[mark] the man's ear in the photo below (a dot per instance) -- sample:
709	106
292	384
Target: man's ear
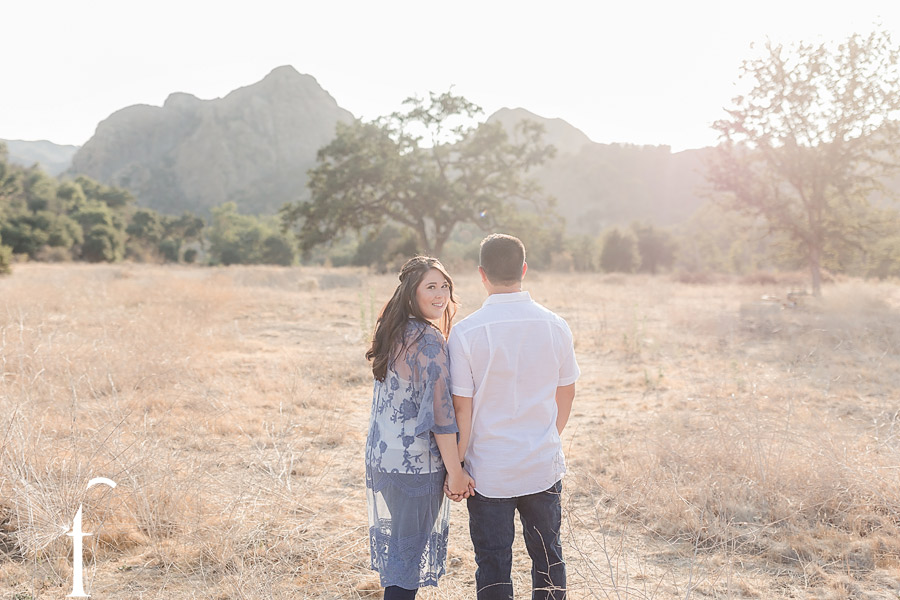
524	268
484	277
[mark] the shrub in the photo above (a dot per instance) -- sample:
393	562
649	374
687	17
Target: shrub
190	255
5	260
619	253
169	249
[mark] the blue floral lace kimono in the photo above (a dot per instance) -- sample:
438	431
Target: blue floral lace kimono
408	513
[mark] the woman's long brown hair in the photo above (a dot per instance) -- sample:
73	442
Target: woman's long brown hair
388	337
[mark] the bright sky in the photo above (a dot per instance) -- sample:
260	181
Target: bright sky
639	71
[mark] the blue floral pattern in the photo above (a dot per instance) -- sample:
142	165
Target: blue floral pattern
408	514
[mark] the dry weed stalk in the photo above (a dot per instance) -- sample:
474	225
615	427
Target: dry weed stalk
230	405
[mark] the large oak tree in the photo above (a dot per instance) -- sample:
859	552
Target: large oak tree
429	169
812	140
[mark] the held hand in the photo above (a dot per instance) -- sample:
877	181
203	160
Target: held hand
458	485
461	484
454	497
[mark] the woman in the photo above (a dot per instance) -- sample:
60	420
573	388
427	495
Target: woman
411	446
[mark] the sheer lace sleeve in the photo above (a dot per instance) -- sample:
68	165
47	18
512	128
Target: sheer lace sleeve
429	368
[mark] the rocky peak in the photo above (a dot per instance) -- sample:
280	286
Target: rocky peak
252	146
182	101
567	138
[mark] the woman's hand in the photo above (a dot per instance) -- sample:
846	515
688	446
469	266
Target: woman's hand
458	484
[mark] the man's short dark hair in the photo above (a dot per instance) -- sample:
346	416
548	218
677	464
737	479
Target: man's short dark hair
502	258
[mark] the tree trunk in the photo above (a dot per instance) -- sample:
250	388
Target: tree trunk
815	270
440	238
422	240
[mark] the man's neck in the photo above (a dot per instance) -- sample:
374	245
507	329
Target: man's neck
503	289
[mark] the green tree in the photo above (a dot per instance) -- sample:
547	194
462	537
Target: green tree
11	185
619	252
584	251
813	138
277	250
877	256
190	255
187	228
655	247
384	246
145	232
231	236
177	231
244	239
145	226
64	232
883	259
428	169
102	243
104	240
25	233
5	254
717	239
40	190
70	197
169	249
114	198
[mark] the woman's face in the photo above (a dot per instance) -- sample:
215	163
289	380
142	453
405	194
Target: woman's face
433	295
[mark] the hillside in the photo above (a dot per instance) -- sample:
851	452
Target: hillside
597	185
255	145
252	147
53	158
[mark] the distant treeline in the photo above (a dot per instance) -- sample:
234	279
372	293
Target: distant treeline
43	218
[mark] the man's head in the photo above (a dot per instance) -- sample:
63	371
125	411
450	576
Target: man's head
502	258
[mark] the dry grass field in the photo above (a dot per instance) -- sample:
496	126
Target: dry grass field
721	446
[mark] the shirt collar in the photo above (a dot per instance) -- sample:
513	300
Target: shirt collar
505	298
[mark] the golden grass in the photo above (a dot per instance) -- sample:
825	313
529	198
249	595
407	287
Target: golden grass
720	445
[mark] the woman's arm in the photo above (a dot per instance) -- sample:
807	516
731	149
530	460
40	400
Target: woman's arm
436	413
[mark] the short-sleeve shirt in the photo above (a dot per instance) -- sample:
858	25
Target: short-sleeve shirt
509	356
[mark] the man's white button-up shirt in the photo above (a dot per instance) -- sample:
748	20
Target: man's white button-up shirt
509	356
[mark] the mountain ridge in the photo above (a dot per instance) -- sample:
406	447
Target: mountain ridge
252	146
53	158
598	185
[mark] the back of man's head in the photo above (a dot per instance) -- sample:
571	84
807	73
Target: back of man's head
502	258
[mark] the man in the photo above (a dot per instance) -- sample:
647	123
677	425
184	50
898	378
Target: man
512	374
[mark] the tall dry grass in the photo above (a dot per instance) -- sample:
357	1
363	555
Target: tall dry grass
770	442
720	445
163	380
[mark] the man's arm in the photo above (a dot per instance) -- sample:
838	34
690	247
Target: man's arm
565	394
458	484
463	407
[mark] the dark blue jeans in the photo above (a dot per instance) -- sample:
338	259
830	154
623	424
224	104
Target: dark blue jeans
492	527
